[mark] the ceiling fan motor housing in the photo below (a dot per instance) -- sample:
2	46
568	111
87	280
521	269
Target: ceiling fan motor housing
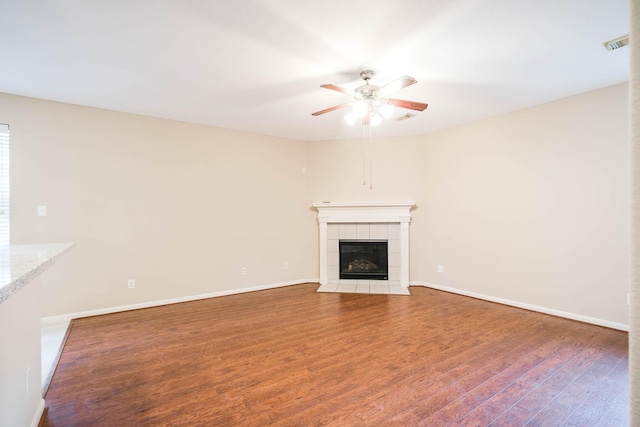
367	91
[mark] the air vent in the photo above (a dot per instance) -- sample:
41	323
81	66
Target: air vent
616	43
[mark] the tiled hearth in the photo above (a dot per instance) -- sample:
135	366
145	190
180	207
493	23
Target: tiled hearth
354	288
363	221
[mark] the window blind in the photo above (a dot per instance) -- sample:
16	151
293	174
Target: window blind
4	184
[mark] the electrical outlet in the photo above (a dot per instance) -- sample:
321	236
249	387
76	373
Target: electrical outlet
440	268
244	271
131	283
42	210
27	377
286	265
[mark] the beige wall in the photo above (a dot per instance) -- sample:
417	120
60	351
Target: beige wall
530	207
179	207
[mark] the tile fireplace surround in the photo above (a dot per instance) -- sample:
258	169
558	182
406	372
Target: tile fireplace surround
364	220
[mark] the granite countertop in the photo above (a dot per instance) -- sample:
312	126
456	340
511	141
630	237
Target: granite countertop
20	264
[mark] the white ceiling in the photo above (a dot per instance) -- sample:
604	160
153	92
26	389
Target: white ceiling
256	65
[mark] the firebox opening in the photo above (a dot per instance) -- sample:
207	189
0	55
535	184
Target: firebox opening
364	259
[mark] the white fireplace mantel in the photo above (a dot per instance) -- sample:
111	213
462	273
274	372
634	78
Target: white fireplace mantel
365	212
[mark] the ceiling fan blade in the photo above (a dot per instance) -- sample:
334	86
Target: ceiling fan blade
411	105
337	89
398	84
330	109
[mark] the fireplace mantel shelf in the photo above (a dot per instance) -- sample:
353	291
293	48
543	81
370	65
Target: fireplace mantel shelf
362	213
362	204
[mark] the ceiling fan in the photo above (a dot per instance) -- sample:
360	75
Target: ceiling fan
371	101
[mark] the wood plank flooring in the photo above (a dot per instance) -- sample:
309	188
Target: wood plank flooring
294	357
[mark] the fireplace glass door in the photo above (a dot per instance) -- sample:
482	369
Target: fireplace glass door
364	259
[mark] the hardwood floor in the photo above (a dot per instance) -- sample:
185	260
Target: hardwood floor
294	357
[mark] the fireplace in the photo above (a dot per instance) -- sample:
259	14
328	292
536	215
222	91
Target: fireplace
386	222
364	259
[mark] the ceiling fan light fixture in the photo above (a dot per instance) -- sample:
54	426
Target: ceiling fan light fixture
361	108
375	120
351	118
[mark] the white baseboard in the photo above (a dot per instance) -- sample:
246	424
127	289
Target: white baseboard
565	314
53	320
38	415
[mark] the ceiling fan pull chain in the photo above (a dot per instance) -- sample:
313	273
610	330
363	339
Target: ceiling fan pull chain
364	156
370	161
